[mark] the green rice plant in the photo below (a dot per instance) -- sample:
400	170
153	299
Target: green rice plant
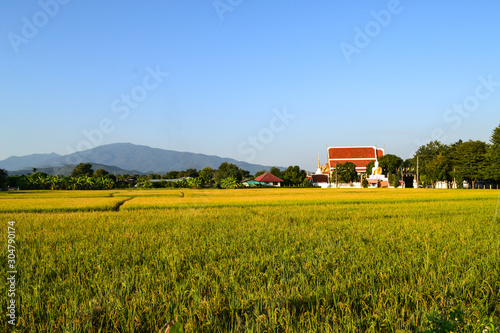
60	205
259	260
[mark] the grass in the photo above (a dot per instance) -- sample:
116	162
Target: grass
259	260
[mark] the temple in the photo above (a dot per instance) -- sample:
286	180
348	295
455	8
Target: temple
360	156
322	174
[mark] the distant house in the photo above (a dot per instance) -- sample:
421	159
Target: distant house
251	182
269	179
126	182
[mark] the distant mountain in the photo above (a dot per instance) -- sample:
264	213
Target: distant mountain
28	161
67	169
127	156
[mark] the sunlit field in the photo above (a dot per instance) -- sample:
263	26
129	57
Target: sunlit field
252	260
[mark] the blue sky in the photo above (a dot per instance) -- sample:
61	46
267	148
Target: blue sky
264	82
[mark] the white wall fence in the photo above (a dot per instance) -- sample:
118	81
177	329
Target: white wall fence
437	185
481	185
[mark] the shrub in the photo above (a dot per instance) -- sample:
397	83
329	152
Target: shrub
306	183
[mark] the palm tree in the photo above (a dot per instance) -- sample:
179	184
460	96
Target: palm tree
54	182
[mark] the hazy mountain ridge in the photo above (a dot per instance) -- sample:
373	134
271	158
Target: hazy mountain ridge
125	156
28	161
67	169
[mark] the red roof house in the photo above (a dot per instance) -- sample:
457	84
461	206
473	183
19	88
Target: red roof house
360	156
269	179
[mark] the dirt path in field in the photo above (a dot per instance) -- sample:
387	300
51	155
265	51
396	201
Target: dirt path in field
117	206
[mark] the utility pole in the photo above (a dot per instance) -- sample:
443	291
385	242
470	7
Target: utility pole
417	173
336	178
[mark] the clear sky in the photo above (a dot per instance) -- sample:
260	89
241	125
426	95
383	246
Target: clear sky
269	82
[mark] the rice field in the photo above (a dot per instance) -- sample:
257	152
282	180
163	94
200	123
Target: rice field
253	260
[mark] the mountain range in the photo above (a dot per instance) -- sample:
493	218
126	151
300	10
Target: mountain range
122	158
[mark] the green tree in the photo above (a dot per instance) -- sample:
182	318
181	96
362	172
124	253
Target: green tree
171	175
207	175
369	168
394	179
390	163
3	178
144	183
39	181
193	173
195	182
469	160
111	176
276	171
439	168
12	181
258	173
230	183
55	183
427	160
294	176
229	169
100	173
346	172
410	164
306	183
493	156
82	169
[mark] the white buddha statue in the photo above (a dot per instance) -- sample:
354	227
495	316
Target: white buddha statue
377	170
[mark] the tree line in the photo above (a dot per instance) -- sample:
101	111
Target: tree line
83	177
470	161
228	175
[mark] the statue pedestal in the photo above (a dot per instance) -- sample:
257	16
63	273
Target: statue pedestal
376	181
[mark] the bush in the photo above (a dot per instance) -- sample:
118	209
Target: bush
229	182
144	183
306	183
394	180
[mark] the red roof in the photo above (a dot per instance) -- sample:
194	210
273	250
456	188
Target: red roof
360	156
358	163
268	178
354	152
